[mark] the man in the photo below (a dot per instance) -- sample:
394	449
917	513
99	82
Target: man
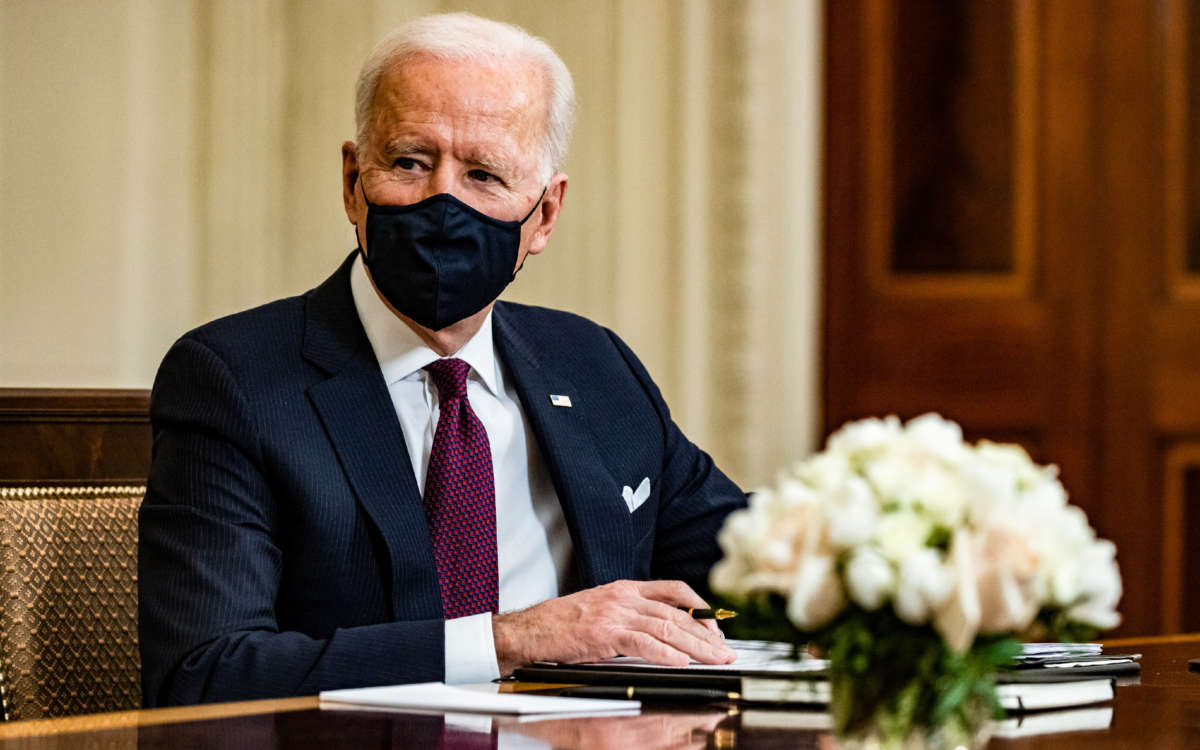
394	477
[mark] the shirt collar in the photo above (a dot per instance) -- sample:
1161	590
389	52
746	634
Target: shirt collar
400	351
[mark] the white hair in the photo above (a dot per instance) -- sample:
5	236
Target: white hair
463	36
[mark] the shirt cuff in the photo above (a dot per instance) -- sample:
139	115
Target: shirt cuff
471	650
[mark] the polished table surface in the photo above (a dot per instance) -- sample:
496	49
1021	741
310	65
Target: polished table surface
1161	711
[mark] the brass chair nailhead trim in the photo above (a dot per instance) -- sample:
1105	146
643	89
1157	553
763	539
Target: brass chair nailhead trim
71	493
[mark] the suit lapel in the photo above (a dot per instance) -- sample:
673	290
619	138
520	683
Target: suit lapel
601	531
359	417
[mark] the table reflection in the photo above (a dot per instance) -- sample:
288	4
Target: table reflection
685	729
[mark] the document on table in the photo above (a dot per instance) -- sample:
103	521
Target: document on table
752	656
438	696
1024	725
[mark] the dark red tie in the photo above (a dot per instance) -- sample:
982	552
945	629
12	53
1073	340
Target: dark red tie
460	498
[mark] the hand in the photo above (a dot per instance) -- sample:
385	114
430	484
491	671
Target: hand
645	732
623	618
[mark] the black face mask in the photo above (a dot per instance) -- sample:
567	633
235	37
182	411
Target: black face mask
439	261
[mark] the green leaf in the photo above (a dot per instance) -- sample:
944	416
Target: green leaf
951	696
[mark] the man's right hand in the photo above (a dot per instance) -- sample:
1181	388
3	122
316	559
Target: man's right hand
623	618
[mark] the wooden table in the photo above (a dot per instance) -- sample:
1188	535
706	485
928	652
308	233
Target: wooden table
1162	711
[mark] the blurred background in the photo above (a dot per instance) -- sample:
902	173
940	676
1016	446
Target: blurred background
797	212
165	162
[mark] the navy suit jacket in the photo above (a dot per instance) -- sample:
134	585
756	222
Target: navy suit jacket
283	543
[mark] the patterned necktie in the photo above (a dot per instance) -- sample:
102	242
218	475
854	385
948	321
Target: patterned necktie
460	498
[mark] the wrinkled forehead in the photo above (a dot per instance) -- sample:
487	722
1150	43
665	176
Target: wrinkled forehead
510	94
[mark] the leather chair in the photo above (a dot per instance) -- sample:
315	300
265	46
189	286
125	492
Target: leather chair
68	620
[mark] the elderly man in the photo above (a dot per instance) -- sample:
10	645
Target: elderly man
396	478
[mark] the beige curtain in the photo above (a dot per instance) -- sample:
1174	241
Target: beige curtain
164	163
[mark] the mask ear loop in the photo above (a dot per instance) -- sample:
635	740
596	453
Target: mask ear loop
363	189
536	203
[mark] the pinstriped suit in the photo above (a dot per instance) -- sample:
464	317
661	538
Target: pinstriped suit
283	544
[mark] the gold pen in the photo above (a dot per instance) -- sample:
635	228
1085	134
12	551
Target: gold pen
700	613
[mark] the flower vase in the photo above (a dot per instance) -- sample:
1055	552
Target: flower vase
895	686
912	560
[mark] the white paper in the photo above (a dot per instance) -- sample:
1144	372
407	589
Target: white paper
752	656
1035	696
1043	650
1050	722
1054	722
437	696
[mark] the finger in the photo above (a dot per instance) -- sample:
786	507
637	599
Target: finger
703	629
670	633
679	594
676	593
636	642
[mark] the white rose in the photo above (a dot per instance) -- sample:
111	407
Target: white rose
864	435
822	471
1007	603
901	533
742	539
1006	575
870	578
923	585
942	493
743	531
1099	587
793	492
937	436
727	577
891	474
990	489
816	595
730	573
852	513
1067	545
765	543
1010	459
957	619
1045	499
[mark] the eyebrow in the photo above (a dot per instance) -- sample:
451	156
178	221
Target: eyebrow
405	147
489	162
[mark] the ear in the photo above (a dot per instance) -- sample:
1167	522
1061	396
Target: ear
350	182
547	213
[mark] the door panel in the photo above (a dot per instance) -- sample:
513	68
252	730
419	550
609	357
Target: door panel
1013	240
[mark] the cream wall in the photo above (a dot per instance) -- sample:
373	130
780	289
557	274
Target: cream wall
168	161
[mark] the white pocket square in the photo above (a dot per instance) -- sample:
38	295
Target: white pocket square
634	498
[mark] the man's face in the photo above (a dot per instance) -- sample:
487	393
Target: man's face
470	130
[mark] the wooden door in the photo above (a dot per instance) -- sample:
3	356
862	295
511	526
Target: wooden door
1013	240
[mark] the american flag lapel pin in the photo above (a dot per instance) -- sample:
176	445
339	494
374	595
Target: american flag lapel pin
560	400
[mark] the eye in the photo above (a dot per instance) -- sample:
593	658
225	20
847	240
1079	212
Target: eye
482	176
406	163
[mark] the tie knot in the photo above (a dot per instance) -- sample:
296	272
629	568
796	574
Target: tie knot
450	377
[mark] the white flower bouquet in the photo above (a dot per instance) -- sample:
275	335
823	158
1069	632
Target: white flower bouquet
915	560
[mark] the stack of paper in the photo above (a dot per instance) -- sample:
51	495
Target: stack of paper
752	656
1078	658
1025	725
1049	676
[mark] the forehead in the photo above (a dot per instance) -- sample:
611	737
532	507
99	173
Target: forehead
461	99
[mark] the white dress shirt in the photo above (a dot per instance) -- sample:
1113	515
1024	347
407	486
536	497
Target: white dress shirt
533	544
